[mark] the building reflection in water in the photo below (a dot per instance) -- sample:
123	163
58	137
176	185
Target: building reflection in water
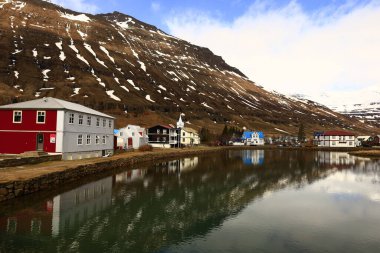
249	157
65	211
73	208
335	158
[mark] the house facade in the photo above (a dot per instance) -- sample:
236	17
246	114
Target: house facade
55	126
334	139
131	136
253	138
360	139
162	136
189	137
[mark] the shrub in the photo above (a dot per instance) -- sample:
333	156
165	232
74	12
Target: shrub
146	148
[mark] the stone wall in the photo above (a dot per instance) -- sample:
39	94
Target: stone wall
19	161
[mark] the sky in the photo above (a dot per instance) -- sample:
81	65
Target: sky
328	51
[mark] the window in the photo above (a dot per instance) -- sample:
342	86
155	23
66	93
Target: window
41	117
110	123
164	131
97	139
133	133
104	139
104	122
71	118
80	139
88	139
158	131
163	139
88	120
183	134
121	133
80	119
97	122
183	140
17	116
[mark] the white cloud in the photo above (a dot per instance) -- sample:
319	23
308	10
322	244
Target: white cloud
291	51
155	6
78	5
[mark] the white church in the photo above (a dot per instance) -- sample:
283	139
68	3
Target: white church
188	136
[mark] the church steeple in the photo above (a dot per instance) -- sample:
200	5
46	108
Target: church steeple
180	123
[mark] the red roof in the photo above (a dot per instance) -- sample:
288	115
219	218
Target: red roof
338	133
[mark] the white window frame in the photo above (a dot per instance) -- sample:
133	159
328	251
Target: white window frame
104	122
37	117
110	123
89	119
98	122
88	139
97	139
17	122
80	137
104	140
71	114
80	119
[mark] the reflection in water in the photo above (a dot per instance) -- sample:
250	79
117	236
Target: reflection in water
200	204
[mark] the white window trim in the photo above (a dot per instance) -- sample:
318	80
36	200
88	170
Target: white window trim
104	140
79	144
97	122
44	117
87	139
89	120
104	123
80	115
14	117
73	118
97	139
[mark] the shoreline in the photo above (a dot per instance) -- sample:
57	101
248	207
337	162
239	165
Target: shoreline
24	180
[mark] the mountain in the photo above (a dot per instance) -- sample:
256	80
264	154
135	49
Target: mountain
138	73
368	112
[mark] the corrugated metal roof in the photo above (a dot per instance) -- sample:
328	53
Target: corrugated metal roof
338	133
248	134
50	103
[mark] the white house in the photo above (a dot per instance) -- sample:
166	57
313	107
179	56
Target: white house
189	137
360	139
131	136
335	139
55	126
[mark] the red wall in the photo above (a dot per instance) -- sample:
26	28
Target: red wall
29	118
22	137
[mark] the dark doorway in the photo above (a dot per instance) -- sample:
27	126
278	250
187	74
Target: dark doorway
40	142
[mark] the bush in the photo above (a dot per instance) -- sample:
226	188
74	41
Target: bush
146	148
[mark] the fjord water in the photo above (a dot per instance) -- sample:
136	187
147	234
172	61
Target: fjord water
233	201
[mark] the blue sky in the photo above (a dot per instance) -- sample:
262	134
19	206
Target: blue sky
157	11
326	50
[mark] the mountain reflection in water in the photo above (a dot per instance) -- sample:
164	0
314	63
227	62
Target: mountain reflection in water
168	205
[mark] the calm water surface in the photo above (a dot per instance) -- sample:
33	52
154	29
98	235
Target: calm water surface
235	201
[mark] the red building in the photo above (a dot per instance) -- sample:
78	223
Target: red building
55	126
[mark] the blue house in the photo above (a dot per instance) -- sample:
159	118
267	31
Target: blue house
253	138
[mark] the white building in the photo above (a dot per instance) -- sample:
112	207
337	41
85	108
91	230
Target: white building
335	139
189	136
131	137
360	139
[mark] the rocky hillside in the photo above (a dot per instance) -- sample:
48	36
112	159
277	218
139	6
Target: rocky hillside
368	113
120	65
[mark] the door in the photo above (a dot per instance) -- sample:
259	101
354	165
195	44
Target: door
40	142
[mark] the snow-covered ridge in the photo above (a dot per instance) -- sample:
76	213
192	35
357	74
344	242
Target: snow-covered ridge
79	17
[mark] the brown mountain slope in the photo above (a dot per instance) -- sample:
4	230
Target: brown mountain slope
117	64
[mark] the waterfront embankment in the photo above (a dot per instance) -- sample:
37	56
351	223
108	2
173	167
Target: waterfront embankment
27	179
